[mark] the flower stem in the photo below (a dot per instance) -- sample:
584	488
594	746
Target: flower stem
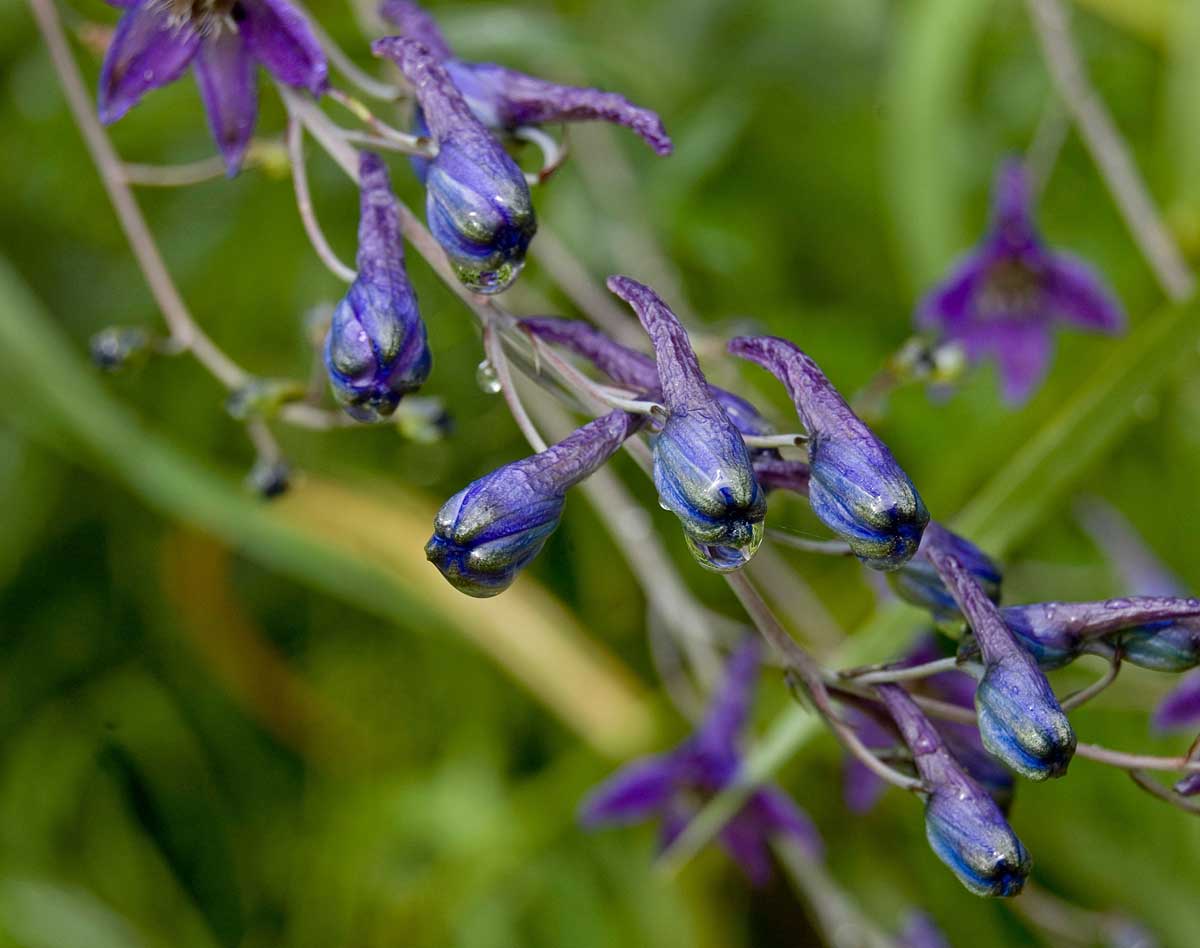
312	227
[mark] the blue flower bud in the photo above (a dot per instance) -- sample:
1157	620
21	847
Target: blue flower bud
1020	719
376	351
963	824
120	347
702	469
477	200
918	582
491	530
857	489
1164	646
1056	633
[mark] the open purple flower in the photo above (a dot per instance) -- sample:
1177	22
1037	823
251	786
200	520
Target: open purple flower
671	786
157	40
1003	298
504	99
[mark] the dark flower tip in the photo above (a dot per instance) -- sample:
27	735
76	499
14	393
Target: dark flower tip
491	530
477	200
856	487
376	350
702	469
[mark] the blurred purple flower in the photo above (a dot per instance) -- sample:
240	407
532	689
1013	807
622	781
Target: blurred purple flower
505	99
920	931
1003	298
157	40
671	786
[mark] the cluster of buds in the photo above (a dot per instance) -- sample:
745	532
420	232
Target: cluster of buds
714	460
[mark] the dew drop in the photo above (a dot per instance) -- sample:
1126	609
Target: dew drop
486	378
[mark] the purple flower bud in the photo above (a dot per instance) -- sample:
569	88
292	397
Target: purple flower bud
505	99
1165	646
1020	719
857	489
918	582
477	201
634	369
964	826
376	351
702	469
1055	633
491	530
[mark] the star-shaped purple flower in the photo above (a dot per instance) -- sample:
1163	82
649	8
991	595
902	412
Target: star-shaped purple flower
1005	296
157	40
672	786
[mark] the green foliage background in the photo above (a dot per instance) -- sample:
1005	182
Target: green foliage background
222	725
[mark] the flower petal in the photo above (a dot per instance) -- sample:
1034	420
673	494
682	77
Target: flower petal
1079	295
146	52
280	37
949	304
776	814
634	792
1181	708
1012	208
719	734
415	23
225	74
1021	348
747	844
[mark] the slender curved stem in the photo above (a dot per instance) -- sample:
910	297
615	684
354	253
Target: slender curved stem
825	547
413	144
304	204
493	346
873	675
1109	150
375	88
173	176
1156	789
1084	695
776	441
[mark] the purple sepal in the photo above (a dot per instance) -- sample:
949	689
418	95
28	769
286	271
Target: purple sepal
147	51
225	74
1180	709
488	532
416	24
702	469
964	826
856	487
506	99
281	39
477	201
672	786
1003	298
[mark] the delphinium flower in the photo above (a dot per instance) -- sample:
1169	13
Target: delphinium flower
964	826
856	487
492	529
505	99
477	201
222	40
673	786
918	582
862	787
1020	719
1004	298
636	370
702	470
376	351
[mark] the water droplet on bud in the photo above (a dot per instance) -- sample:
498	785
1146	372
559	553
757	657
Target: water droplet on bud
487	379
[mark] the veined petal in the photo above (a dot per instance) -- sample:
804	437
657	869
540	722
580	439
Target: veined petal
225	74
280	37
1079	295
146	52
415	23
633	793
